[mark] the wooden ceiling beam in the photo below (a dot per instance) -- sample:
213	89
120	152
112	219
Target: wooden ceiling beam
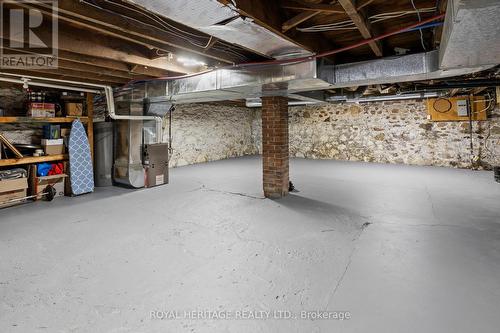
131	30
108	64
298	19
362	24
132	69
70	65
95	45
362	4
268	14
62	74
83	75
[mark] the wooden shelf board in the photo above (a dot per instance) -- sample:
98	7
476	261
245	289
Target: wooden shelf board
32	160
7	120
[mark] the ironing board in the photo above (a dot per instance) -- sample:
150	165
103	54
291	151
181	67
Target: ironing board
80	161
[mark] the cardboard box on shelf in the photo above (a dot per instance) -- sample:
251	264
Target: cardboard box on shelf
56	181
41	110
11	189
53	146
74	109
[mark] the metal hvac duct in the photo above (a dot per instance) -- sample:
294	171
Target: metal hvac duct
127	168
471	34
224	23
289	79
408	68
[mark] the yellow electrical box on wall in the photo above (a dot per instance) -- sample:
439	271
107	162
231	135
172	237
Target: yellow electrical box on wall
457	108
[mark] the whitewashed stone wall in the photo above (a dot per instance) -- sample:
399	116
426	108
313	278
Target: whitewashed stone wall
209	132
385	132
388	132
12	98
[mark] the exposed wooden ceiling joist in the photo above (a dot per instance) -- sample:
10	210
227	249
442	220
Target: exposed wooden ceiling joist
91	69
95	45
133	71
129	29
361	23
268	14
67	75
298	19
362	4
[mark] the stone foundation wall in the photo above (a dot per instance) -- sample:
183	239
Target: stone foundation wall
388	132
200	132
12	100
209	132
385	132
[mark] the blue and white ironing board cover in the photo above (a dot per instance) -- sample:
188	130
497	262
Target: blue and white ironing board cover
80	160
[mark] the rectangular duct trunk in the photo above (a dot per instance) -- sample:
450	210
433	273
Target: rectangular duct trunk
471	34
250	82
224	23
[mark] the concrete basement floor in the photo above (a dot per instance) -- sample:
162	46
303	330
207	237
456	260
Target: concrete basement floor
402	248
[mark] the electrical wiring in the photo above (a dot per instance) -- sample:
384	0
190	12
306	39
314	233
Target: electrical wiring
165	28
193	39
349	25
420	30
490	102
300	59
384	16
158	19
209	41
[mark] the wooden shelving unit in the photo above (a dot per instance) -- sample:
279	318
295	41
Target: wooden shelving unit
32	160
88	121
28	120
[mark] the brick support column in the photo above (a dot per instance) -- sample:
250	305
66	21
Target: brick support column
275	146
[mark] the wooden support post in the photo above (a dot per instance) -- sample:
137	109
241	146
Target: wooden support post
32	170
90	123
